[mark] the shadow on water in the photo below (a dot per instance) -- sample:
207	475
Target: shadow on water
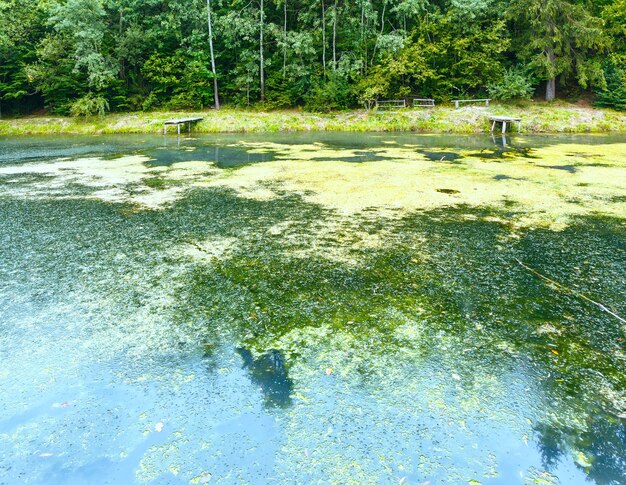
494	148
440	156
565	168
223	149
269	372
504	148
221	156
604	441
501	177
359	156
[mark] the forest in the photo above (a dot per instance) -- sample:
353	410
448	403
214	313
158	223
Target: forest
85	57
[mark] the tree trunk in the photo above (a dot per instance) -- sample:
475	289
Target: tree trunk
285	40
324	37
363	36
215	92
262	66
551	57
121	60
382	30
335	37
551	89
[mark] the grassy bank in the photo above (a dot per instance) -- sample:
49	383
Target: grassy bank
537	118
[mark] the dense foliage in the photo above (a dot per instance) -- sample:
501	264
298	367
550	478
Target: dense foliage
87	56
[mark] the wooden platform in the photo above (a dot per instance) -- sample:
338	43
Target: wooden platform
504	120
179	122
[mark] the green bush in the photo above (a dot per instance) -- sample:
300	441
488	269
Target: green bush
516	84
89	105
332	94
280	93
151	102
183	100
372	87
614	96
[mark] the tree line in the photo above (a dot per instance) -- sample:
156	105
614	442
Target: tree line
89	56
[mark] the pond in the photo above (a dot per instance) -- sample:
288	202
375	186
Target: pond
313	308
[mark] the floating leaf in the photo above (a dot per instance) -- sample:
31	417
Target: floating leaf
582	460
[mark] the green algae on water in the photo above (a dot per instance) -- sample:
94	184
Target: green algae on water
310	320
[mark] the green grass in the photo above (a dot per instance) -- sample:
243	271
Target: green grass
537	118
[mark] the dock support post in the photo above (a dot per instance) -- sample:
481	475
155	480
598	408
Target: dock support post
178	126
493	127
164	129
503	127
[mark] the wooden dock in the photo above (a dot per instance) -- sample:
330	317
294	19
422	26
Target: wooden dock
182	121
504	120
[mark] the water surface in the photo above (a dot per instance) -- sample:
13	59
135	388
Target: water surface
313	308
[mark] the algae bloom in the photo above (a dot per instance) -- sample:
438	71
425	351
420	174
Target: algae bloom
313	308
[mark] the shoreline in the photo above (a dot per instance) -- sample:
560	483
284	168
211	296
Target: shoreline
537	118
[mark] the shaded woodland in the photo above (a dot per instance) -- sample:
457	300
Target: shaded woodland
86	57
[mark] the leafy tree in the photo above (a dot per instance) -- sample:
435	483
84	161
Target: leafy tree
21	28
614	16
559	38
331	94
89	105
82	23
142	54
614	94
516	84
442	58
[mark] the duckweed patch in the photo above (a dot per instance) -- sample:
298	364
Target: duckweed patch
309	320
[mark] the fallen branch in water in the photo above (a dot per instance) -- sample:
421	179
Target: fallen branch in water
574	292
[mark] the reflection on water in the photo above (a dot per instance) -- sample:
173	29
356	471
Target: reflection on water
270	374
224	150
252	331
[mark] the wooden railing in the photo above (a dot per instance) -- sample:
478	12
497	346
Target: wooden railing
390	104
423	102
459	101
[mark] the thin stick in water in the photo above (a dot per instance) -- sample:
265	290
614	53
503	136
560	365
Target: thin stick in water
574	292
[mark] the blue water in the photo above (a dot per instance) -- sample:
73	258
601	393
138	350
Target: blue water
125	360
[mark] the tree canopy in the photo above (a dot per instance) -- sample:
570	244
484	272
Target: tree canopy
86	56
